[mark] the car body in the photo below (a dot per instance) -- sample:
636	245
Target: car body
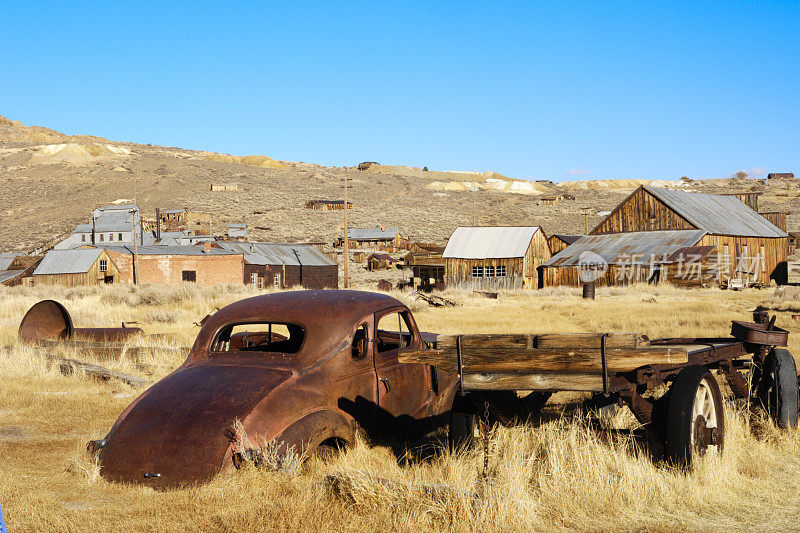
330	374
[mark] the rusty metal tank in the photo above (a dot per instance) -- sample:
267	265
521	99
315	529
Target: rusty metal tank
50	320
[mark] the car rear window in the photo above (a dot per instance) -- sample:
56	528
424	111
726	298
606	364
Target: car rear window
273	337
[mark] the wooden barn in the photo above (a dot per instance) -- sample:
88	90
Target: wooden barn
491	258
91	266
281	266
747	245
558	242
427	268
776	217
17	269
383	238
631	257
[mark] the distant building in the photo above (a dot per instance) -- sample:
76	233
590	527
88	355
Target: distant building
237	231
558	242
380	261
17	269
328	205
111	224
279	265
383	238
366	165
173	219
780	176
491	258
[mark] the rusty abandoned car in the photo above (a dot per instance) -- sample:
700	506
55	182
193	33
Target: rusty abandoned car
305	368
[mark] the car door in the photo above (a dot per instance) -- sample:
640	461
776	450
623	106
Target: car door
403	389
357	382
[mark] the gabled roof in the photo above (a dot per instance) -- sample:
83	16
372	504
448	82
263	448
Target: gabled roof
265	253
75	261
716	214
637	248
8	275
489	242
371	234
6	260
156	249
108	222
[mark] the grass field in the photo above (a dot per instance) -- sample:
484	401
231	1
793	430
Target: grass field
557	475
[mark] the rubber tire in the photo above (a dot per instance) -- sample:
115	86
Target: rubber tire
780	369
463	422
677	443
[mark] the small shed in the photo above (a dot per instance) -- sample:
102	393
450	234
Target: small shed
381	261
359	257
84	266
794	238
427	268
558	242
491	258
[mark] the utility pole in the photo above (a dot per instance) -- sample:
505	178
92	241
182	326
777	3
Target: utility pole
585	220
135	244
346	242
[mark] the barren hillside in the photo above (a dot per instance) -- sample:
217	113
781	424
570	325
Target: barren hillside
51	181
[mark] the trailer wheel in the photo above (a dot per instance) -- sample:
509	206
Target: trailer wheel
778	388
463	430
695	423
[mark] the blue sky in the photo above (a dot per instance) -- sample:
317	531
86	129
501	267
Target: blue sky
530	89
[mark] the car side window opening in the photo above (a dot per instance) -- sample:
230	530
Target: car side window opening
272	337
361	342
393	332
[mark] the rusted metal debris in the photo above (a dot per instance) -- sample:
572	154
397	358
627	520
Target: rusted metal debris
49	320
433	300
332	373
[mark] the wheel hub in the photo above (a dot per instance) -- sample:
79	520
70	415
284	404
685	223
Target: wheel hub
704	436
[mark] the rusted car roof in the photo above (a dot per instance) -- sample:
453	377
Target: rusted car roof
327	316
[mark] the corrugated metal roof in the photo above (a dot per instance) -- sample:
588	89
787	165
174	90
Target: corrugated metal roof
68	261
718	215
173	211
628	248
165	250
6	260
265	253
106	222
371	234
6	275
489	242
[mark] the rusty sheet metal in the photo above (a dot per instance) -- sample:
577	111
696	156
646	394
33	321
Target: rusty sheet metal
629	248
49	320
716	214
180	430
759	333
690	252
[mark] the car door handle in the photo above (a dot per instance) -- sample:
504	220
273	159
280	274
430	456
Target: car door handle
385	382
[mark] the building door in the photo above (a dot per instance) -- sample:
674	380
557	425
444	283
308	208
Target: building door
403	389
189	275
108	280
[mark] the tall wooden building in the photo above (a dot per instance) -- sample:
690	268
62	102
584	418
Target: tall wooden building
739	234
481	258
558	242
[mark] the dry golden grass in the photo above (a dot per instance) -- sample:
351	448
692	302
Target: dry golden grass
558	475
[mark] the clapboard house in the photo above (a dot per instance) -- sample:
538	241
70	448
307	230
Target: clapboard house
281	266
492	258
746	245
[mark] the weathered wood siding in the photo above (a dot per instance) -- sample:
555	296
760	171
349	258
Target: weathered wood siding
309	277
521	272
776	217
774	251
92	277
641	211
555	244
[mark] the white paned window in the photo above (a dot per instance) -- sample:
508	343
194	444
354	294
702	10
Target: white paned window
477	272
110	237
489	271
500	271
254	278
103	265
277	281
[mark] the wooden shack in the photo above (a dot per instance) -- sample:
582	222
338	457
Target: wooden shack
173	219
492	258
549	200
794	238
285	265
780	176
230	187
380	261
18	269
738	232
74	267
328	205
558	242
427	268
359	257
383	238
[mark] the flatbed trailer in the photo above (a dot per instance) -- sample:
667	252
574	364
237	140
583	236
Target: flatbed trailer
510	376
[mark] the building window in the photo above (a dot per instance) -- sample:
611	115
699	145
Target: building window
83	238
500	271
103	265
477	272
102	237
260	282
489	272
110	237
189	275
277	281
254	278
763	260
120	237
